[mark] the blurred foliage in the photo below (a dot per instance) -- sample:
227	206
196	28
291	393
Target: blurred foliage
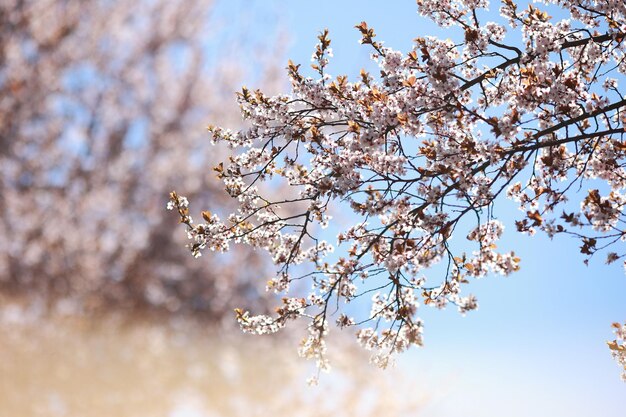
103	106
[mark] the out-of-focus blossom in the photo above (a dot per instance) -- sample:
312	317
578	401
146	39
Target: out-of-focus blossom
103	107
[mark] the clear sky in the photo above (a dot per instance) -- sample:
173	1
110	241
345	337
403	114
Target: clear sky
536	346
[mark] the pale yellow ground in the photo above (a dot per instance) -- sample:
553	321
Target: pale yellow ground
115	367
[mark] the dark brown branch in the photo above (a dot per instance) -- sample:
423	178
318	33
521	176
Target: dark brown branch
569	139
517	59
580	118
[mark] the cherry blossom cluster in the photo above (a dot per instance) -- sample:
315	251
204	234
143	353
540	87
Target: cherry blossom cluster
420	154
618	347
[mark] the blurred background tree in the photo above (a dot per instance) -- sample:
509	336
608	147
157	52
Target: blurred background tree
103	106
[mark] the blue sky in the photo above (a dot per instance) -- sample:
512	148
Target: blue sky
536	346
